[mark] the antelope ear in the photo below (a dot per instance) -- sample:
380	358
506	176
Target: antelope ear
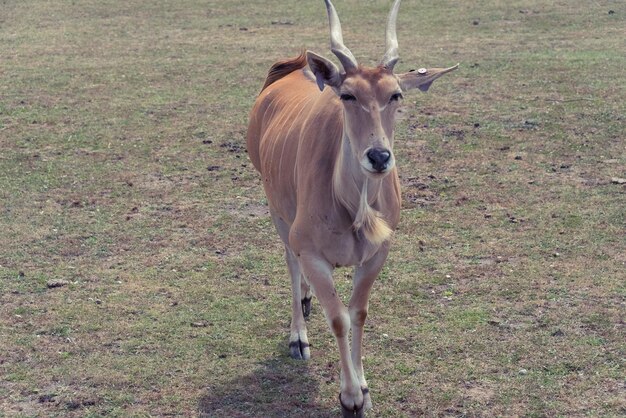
422	78
325	71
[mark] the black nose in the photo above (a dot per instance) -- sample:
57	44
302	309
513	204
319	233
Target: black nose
379	157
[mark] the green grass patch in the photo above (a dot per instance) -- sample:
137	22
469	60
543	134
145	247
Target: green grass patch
123	171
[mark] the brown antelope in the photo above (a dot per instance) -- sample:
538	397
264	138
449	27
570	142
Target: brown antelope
327	165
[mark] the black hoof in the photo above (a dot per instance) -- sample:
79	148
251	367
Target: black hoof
299	350
351	412
306	307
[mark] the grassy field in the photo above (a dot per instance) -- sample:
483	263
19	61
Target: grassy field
140	274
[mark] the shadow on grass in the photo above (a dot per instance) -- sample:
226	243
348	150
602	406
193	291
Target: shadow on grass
279	387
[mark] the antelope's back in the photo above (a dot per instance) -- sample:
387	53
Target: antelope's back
280	122
273	103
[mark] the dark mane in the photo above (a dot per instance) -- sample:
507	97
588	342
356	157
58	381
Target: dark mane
282	68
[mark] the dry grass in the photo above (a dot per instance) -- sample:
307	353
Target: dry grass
123	171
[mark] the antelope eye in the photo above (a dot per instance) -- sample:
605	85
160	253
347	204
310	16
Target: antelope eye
395	97
347	97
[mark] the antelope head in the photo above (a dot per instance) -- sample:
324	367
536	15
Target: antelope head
370	96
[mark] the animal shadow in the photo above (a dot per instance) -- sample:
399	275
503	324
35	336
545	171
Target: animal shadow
279	387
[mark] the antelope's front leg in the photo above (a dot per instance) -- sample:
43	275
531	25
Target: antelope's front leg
364	278
319	274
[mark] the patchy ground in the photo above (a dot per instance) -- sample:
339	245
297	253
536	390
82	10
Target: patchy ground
140	274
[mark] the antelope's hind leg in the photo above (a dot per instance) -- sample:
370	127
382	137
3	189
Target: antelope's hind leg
298	340
305	293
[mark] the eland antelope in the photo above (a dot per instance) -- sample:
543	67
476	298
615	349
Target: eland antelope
322	139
